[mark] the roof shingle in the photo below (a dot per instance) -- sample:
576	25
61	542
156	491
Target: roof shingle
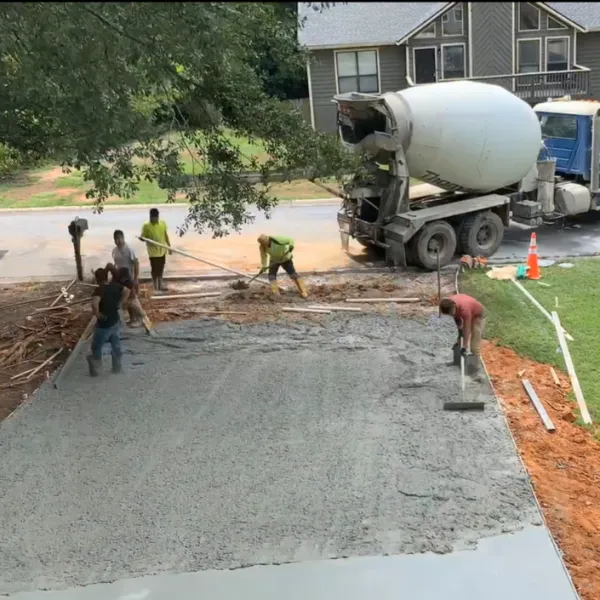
383	23
358	23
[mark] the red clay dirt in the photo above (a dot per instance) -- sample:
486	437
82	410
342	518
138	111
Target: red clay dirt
564	466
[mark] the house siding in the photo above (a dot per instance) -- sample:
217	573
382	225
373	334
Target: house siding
543	33
491	38
437	41
392	76
588	55
322	80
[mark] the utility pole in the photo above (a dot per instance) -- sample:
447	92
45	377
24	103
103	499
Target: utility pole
76	229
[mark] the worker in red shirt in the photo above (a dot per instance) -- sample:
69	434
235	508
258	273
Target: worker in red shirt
469	316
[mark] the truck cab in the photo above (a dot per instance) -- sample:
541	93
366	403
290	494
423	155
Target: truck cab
571	135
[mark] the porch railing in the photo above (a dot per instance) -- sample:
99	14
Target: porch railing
538	87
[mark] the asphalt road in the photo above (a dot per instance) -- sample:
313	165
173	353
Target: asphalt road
38	246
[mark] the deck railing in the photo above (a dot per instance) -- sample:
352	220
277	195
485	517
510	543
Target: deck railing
538	87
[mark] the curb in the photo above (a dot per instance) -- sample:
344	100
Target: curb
162	206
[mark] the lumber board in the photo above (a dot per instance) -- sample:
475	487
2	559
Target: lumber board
57	300
540	307
334	308
202	260
464	405
63	306
85	336
46	362
307	310
554	376
564	347
537	404
183	296
373	300
17	304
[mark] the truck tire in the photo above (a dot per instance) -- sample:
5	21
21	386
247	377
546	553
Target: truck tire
436	235
481	234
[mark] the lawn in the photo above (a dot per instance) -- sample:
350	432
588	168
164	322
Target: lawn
514	322
49	187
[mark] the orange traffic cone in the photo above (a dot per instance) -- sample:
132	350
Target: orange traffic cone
533	268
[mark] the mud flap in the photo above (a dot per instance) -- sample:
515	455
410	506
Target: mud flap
345	239
395	255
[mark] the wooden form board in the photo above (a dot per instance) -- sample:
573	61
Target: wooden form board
183	296
539	306
537	404
372	300
583	409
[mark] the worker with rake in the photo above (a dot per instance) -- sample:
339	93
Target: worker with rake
106	302
469	316
275	252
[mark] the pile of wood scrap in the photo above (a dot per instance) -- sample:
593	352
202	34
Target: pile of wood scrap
31	346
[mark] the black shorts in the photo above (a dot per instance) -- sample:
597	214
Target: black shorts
157	265
287	266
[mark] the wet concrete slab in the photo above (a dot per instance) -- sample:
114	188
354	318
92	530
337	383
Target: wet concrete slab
520	566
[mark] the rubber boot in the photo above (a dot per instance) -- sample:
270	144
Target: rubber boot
474	368
116	364
94	366
155	284
161	286
274	288
301	288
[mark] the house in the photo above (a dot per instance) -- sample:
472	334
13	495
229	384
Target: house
537	50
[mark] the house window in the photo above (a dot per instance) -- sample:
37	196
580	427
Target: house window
559	126
428	32
557	54
452	22
529	17
357	72
554	24
453	61
529	56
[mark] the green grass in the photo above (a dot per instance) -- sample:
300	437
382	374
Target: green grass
514	322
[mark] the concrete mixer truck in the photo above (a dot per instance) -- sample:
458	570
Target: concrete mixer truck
490	155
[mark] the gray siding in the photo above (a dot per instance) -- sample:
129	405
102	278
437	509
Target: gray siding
588	55
437	41
322	80
542	34
492	39
392	75
392	64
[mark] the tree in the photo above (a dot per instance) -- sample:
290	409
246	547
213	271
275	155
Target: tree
85	84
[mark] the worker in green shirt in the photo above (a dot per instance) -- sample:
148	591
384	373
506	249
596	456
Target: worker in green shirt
276	251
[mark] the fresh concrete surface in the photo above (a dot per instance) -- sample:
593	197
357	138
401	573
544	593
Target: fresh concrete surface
39	246
226	446
518	566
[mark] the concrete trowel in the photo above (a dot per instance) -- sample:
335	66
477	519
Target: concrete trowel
464	405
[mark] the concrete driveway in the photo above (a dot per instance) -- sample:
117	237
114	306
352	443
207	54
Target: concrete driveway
321	447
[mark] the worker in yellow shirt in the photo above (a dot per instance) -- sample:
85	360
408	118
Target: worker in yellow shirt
276	251
156	230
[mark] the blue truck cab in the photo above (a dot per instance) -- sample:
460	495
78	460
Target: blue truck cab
571	134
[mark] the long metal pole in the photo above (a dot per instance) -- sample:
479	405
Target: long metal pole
202	260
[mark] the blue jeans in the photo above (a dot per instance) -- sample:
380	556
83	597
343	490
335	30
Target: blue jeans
104	335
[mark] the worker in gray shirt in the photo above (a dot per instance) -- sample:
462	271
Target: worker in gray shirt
124	257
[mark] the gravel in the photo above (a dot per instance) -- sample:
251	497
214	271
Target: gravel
224	446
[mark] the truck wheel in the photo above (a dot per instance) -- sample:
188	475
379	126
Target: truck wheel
437	236
481	234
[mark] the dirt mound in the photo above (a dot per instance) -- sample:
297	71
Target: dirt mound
564	466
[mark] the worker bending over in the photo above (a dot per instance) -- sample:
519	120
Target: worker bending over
106	301
469	316
275	252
